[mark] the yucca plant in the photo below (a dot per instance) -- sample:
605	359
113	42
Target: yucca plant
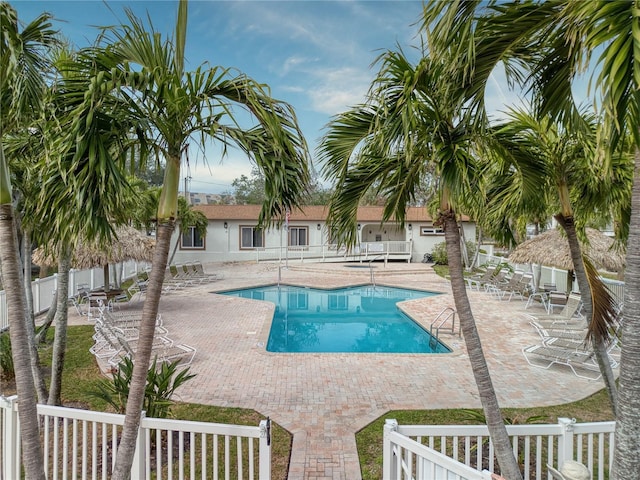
162	381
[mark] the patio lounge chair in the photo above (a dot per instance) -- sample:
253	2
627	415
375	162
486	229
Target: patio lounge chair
579	360
568	315
199	272
496	282
476	281
138	286
106	339
171	282
569	335
519	287
164	351
130	321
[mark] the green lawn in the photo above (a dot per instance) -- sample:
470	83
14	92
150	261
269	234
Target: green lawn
81	375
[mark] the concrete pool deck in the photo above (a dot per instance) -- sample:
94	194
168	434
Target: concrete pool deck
324	399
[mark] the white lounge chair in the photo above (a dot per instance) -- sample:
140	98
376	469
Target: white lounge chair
580	360
163	350
476	281
568	315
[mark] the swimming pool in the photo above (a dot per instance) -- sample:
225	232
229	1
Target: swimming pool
354	320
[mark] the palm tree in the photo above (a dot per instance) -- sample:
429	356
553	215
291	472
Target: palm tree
414	126
565	169
182	107
23	64
556	40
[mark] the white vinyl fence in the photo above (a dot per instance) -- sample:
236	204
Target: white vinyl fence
82	444
43	288
466	452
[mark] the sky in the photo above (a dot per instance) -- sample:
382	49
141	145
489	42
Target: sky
315	55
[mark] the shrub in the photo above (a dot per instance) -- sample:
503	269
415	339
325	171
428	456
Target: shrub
439	252
162	382
6	359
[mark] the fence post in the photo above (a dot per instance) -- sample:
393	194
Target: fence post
9	438
35	294
565	442
388	459
139	466
264	451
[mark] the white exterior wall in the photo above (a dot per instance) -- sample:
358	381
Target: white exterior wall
223	245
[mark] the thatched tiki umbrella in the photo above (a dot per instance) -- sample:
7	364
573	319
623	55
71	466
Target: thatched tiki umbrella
128	244
551	248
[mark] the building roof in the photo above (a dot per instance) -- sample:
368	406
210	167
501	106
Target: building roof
308	213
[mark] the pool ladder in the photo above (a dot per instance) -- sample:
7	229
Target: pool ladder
438	323
373	280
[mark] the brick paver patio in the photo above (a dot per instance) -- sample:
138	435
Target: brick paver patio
324	399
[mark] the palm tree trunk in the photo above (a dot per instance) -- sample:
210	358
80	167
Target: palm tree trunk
41	336
60	339
626	461
29	321
126	449
26	272
495	422
599	346
12	281
476	255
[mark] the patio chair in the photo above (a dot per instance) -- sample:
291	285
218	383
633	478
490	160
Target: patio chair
518	285
108	344
164	352
581	361
199	272
570	314
542	295
130	321
571	333
138	287
171	282
496	282
479	280
192	275
555	299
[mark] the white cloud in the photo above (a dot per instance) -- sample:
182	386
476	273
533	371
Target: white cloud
333	90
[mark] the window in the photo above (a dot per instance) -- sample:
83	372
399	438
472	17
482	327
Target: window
298	236
297	301
431	231
192	239
338	302
251	237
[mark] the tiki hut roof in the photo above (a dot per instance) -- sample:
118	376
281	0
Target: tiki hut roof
128	244
551	248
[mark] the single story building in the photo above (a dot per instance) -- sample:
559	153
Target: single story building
233	235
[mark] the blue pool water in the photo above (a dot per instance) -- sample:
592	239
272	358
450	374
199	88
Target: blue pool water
356	319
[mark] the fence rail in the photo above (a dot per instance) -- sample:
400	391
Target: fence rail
364	251
535	446
82	444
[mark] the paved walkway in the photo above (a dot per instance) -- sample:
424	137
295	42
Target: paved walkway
323	399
